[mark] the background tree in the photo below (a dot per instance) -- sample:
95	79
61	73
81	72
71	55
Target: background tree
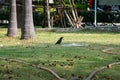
28	26
12	29
48	13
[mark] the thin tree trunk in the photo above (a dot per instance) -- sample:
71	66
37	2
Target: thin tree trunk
12	29
48	14
44	12
73	18
28	26
73	10
19	16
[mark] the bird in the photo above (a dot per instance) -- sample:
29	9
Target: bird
59	40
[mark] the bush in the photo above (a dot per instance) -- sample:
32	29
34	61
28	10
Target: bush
101	17
81	7
38	18
4	15
88	17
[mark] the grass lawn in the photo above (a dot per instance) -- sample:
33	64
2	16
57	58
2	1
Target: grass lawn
80	61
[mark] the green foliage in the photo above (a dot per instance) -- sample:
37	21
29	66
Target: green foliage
88	16
4	15
101	17
39	10
38	18
81	7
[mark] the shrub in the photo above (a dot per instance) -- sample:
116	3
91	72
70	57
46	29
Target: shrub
4	15
101	17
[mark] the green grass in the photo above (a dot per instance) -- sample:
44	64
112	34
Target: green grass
42	51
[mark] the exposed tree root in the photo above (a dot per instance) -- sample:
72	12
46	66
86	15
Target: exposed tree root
101	69
108	51
53	73
33	65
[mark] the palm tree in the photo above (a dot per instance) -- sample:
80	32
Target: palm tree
28	26
12	29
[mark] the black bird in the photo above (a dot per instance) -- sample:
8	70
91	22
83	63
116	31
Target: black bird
59	40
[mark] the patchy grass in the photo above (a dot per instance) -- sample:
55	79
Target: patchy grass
65	61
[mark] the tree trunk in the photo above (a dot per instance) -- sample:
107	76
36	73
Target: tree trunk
12	29
19	16
73	18
28	26
48	14
44	19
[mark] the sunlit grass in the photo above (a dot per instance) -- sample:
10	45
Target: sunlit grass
42	51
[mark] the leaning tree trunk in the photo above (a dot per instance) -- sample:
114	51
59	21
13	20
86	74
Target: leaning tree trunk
12	29
28	26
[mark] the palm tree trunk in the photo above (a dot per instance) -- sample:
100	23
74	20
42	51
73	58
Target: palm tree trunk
28	26
12	29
